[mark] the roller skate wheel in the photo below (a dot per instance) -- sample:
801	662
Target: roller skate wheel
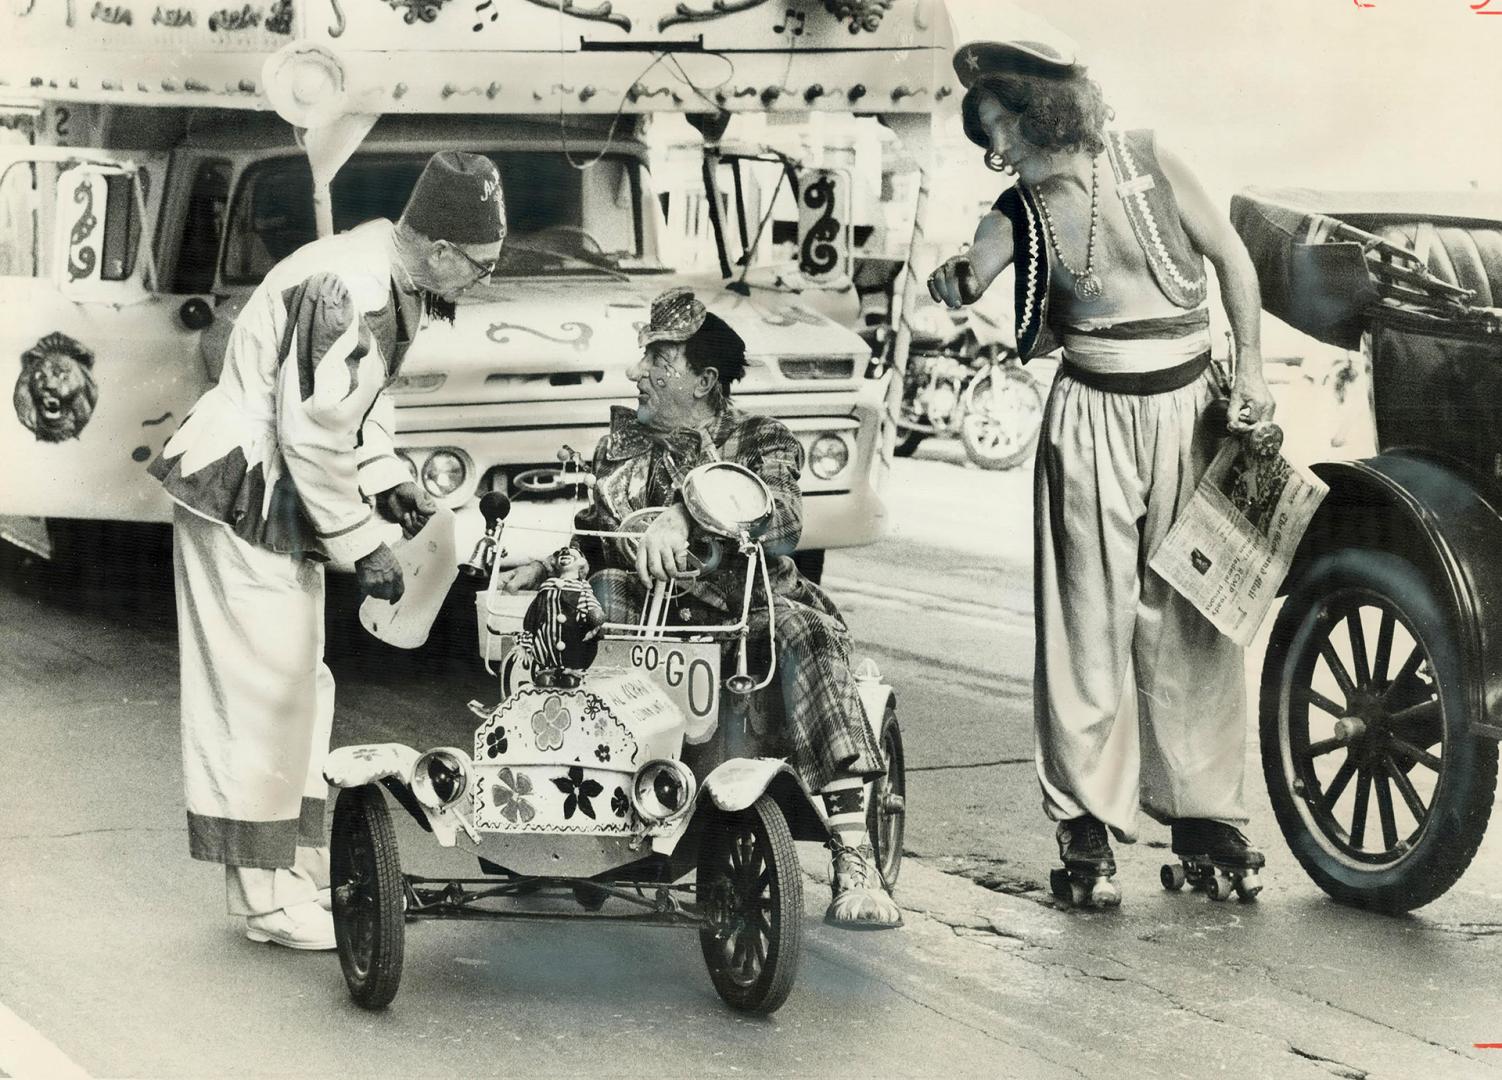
1078	894
1218	887
1058	883
1248	887
1105	893
1173	877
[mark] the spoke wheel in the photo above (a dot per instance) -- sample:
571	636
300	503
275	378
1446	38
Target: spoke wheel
750	887
1002	419
1379	788
887	806
366	877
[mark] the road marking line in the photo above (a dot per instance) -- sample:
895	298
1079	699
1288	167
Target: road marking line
25	1053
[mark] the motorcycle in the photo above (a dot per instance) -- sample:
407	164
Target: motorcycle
963	380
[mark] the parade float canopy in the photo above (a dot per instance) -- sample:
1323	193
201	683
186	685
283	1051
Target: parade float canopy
488	56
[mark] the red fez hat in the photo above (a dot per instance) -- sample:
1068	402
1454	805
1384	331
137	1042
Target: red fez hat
458	199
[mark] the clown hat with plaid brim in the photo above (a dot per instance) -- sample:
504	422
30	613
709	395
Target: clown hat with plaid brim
676	316
978	59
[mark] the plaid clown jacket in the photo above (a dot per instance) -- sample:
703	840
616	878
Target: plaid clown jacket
636	467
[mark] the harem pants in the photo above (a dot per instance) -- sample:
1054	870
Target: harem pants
1138	700
257	708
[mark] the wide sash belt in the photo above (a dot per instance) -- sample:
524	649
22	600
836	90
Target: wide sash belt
1160	381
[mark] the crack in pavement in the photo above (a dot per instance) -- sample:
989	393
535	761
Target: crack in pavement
1341	1069
92	832
970	765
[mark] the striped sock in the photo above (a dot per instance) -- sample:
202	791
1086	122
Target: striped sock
845	803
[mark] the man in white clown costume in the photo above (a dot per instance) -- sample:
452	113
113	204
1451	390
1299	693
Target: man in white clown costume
1138	700
285	465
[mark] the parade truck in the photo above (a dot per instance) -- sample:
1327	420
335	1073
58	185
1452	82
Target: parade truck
159	158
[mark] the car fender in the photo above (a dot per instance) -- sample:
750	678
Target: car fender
1435	515
735	785
390	764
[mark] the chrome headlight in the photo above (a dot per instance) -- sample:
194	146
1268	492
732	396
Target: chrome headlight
662	790
441	777
443	473
828	456
408	461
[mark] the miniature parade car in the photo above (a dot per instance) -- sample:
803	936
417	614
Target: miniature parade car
639	795
1381	697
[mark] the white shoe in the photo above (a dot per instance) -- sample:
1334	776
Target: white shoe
301	926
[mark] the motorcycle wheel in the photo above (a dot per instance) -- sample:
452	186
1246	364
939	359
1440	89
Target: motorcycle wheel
1363	682
751	891
368	905
1003	416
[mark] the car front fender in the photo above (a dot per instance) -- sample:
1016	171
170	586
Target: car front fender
1437	517
390	764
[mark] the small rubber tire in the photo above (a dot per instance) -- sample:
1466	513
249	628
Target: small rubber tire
368	893
752	965
1173	877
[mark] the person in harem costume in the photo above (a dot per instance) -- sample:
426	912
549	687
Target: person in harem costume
1139	701
271	473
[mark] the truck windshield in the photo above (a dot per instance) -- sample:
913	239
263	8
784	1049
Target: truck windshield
560	220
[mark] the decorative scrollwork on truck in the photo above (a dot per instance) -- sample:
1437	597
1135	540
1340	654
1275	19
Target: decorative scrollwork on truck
602	13
817	254
720	8
580	341
82	265
426	10
861	14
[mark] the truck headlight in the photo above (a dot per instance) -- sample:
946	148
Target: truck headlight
441	777
828	456
443	473
411	465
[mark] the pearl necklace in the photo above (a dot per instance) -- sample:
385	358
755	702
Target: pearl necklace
1086	285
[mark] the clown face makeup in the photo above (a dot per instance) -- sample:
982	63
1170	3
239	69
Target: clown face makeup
666	386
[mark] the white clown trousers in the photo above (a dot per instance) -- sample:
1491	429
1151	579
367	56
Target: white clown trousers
1138	700
257	710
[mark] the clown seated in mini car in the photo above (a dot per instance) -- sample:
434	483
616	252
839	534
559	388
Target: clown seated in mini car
683	419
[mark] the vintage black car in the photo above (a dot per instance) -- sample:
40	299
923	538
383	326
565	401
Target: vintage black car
1381	696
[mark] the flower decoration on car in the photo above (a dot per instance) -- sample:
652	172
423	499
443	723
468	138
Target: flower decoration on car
577	791
495	742
509	795
602	752
619	804
550	722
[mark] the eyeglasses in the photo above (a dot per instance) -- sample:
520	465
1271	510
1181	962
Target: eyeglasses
486	269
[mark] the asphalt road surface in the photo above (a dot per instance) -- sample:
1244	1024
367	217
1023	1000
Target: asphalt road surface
116	958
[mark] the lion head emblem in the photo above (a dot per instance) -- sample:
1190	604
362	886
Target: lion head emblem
55	394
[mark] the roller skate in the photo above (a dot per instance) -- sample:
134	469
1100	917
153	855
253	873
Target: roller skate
1214	857
1086	878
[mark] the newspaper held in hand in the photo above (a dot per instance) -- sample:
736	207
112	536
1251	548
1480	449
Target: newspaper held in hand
1230	547
429	566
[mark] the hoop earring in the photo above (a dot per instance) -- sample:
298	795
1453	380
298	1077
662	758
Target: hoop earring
996	163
